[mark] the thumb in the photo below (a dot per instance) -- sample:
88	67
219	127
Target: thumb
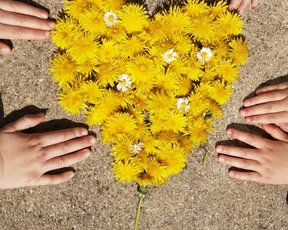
26	122
276	132
4	49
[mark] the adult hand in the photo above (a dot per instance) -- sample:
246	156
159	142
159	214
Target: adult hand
267	162
22	21
269	106
242	5
25	158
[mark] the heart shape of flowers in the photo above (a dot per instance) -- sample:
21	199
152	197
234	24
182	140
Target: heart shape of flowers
154	84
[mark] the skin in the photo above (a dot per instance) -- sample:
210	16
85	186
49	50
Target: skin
242	5
269	160
25	158
22	21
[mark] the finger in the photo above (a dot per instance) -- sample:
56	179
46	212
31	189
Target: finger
48	179
266	97
270	118
239	162
10	18
18	32
255	3
4	49
272	88
234	5
248	176
268	107
22	8
67	160
283	126
55	137
248	138
68	147
243	6
276	132
244	153
24	122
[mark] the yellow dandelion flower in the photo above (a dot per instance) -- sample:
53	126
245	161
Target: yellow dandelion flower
142	159
104	107
76	8
198	104
229	24
157	28
221	48
119	123
239	52
83	49
157	123
120	149
173	157
179	66
160	103
150	143
115	33
71	100
156	56
144	179
113	4
195	68
186	143
90	18
227	71
174	121
198	130
182	42
221	92
108	50
133	17
65	33
214	109
184	86
126	171
218	8
203	90
109	72
90	91
168	136
176	20
209	73
64	69
196	7
165	81
88	67
141	69
203	28
157	172
131	46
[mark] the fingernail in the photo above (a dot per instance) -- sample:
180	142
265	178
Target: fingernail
47	34
246	103
221	159
218	149
87	152
43	15
51	24
229	133
92	140
248	119
5	51
84	132
243	113
231	174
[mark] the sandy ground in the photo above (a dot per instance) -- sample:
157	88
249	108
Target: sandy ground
202	197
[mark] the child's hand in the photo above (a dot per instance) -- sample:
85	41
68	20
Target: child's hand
242	5
267	162
269	106
25	158
22	21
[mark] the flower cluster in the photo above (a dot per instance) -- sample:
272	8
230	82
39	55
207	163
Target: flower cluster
154	84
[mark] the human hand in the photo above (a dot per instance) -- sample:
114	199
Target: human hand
22	21
25	158
267	162
242	5
269	106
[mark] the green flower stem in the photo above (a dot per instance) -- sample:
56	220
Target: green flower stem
141	197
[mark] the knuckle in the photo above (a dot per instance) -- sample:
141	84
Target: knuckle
64	149
243	153
18	33
61	163
14	5
268	107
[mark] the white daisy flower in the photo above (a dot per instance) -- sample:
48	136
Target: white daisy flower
110	18
124	83
183	104
204	55
135	149
170	56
